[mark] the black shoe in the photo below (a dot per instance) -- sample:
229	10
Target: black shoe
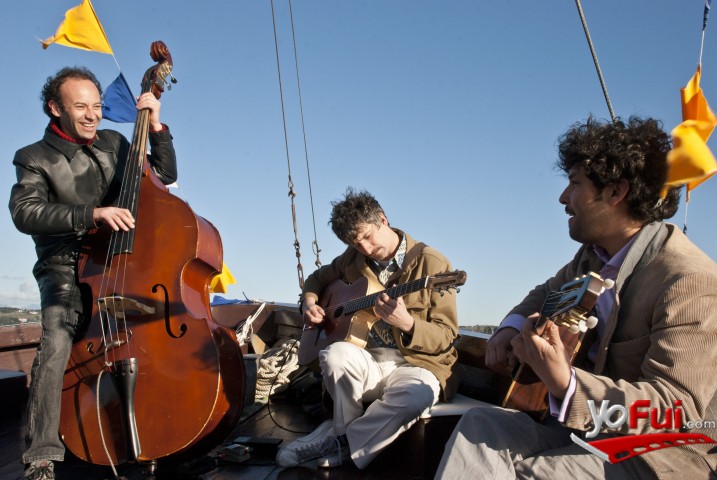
41	470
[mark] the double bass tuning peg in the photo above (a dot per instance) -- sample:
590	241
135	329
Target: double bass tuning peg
172	79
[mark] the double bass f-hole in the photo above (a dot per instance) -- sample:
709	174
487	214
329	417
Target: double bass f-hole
167	323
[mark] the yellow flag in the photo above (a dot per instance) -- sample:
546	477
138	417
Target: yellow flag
81	29
695	106
220	282
690	162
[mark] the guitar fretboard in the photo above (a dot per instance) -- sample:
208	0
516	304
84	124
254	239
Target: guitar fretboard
562	300
361	303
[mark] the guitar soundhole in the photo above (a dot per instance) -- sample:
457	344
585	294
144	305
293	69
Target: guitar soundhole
339	311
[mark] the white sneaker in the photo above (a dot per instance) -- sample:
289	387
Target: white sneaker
314	445
338	453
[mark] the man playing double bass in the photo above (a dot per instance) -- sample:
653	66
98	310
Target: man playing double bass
66	184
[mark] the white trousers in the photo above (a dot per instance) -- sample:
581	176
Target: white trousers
398	393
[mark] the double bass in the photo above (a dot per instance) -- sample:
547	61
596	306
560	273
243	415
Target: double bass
151	375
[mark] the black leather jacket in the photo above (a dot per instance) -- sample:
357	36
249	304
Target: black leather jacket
59	183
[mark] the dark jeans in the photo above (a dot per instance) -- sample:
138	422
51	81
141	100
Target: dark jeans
60	317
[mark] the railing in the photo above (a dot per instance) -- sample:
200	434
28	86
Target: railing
18	344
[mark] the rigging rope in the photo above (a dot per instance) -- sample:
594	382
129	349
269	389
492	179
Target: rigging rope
271	377
595	59
315	243
705	16
292	193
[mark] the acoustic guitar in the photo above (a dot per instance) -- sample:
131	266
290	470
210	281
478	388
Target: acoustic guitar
348	310
570	308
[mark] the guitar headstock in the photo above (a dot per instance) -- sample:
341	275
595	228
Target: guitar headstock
570	306
447	280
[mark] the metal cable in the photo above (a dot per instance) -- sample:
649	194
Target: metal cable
595	59
292	194
315	243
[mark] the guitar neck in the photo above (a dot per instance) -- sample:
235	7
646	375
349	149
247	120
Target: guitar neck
368	301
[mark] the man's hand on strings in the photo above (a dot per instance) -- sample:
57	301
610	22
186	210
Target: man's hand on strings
545	355
394	312
499	353
313	313
115	218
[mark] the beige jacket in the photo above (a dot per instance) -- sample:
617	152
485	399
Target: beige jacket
435	315
659	344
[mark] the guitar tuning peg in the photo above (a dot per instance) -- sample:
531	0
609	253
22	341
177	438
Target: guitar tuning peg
582	327
591	321
574	328
608	283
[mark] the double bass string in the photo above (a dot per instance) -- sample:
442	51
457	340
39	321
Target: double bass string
119	247
135	163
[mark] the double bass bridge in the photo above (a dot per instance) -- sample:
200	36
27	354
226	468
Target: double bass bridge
118	306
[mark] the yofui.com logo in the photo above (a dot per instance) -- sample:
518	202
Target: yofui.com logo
621	448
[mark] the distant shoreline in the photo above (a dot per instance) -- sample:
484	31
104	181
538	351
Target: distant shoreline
15	316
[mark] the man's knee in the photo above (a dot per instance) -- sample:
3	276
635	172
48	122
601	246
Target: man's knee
483	420
413	399
337	356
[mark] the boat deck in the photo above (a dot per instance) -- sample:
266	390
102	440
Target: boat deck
414	455
265	421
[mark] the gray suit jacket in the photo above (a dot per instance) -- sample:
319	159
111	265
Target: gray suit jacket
659	344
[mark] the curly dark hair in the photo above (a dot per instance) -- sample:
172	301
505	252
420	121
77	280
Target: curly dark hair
613	151
51	90
355	209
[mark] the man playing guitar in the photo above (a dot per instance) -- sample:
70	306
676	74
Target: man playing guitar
407	363
654	337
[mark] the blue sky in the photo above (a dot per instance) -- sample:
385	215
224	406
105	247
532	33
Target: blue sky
447	111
